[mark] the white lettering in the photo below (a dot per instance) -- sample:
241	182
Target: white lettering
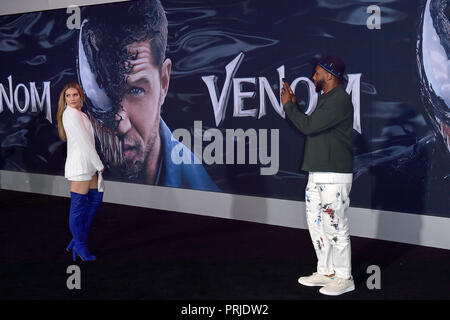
374	20
45	98
239	97
264	87
74	20
353	88
219	105
16	98
9	100
30	95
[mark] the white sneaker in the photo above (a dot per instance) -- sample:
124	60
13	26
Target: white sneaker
315	280
338	286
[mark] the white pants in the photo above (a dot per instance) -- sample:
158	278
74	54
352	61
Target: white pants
326	204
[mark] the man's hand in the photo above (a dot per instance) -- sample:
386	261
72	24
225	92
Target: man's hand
287	94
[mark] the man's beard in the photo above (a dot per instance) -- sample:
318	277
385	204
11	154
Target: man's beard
134	169
112	148
319	86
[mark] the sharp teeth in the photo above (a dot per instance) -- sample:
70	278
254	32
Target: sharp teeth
110	144
445	130
448	142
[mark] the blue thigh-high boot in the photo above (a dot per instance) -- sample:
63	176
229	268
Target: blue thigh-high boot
77	216
95	199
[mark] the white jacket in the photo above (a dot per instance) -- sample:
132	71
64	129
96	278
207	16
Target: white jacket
82	158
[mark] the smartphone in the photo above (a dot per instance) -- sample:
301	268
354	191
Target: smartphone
283	79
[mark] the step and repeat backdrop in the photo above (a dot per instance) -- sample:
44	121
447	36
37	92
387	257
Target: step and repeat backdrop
186	94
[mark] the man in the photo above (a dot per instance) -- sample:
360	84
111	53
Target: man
328	158
125	74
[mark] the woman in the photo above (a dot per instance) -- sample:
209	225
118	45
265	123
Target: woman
82	166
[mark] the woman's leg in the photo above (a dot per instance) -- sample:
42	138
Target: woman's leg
77	219
81	187
93	184
95	199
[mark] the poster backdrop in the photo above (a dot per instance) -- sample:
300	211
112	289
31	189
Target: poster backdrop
216	88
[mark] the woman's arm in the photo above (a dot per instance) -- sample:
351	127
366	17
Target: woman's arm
75	128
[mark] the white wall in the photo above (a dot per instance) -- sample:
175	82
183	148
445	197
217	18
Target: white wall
386	225
19	6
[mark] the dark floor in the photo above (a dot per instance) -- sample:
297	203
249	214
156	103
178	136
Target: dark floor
153	254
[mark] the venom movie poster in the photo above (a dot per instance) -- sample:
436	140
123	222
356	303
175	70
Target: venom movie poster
193	89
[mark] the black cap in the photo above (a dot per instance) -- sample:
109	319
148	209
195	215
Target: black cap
333	65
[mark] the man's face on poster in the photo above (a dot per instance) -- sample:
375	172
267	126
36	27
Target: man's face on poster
145	90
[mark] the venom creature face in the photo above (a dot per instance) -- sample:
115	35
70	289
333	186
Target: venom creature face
433	58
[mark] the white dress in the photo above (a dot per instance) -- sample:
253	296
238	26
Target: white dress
82	160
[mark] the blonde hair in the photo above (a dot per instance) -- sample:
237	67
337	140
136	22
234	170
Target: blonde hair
62	106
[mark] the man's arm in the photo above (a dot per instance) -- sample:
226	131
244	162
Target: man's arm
321	119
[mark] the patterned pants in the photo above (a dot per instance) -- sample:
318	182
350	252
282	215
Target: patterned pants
326	204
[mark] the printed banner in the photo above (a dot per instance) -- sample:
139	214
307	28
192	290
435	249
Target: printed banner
186	94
